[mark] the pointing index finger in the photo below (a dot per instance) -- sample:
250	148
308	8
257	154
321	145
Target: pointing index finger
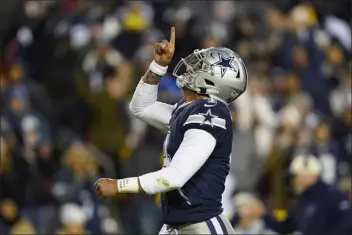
172	36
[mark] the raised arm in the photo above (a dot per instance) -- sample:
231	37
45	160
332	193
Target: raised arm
144	104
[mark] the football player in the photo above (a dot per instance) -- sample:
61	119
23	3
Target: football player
197	147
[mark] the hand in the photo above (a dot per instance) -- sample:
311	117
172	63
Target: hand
105	187
164	51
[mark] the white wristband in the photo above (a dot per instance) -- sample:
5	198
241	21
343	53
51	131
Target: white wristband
157	69
128	185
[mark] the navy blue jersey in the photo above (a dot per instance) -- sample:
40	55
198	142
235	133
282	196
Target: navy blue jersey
200	198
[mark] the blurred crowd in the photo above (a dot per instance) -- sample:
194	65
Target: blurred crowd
68	69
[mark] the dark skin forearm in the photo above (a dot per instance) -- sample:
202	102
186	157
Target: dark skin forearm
151	78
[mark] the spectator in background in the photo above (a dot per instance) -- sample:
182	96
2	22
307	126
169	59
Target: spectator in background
7	133
14	171
340	100
74	184
344	135
18	107
255	124
9	214
318	203
102	56
334	60
73	220
292	136
34	133
37	151
326	150
247	222
21	82
23	227
136	16
109	107
346	186
341	96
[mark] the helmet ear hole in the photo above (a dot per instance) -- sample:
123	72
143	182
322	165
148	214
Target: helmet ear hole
209	83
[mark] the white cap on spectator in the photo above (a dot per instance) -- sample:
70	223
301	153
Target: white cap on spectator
110	226
305	164
110	28
72	213
79	35
24	36
29	123
242	199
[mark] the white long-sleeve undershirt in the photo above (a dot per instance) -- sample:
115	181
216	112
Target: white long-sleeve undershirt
144	105
195	149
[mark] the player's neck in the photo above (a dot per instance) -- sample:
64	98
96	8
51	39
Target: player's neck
191	95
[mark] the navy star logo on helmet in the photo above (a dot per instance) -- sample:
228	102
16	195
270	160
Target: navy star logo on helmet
225	63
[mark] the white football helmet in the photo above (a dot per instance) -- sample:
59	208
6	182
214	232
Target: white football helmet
216	72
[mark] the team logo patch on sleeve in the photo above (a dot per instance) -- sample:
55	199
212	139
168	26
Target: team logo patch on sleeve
206	119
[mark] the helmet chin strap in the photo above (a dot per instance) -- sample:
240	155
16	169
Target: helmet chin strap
198	91
182	84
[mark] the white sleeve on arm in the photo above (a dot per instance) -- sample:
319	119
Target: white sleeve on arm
195	149
144	106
